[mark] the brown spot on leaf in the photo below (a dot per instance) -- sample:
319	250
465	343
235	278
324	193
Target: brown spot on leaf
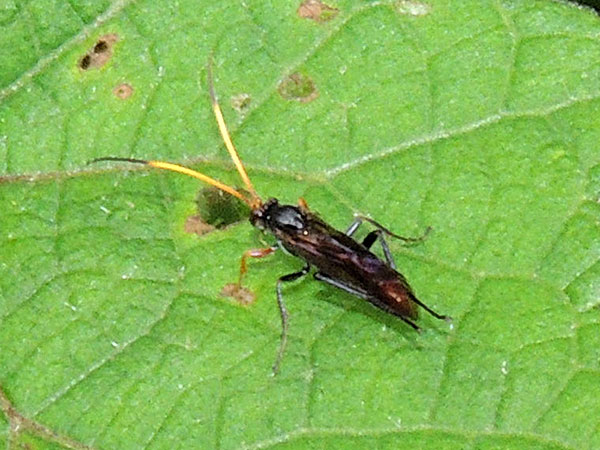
195	224
317	11
100	53
123	91
298	87
239	293
241	102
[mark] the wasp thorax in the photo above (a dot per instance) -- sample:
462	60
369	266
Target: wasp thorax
287	217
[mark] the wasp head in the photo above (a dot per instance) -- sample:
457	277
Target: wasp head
276	218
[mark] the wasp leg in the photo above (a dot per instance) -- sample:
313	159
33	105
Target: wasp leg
368	242
358	219
303	205
284	313
362	294
354	226
371	238
253	253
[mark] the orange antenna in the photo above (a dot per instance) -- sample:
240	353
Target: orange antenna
186	171
256	201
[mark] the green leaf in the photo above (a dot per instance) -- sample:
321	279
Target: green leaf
479	119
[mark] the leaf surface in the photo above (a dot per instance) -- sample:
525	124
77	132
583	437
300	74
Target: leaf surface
479	119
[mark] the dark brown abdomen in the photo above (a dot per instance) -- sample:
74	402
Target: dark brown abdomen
398	296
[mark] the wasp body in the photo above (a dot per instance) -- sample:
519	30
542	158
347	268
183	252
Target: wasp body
339	260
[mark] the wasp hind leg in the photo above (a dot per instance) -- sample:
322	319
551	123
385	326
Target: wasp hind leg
370	239
358	219
378	234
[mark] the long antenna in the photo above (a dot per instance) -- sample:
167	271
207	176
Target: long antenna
186	171
254	202
227	138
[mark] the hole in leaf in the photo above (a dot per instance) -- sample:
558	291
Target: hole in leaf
100	53
101	46
298	87
84	63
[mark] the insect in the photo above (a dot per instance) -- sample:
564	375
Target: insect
339	260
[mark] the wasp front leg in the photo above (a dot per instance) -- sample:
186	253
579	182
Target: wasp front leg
253	253
236	290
